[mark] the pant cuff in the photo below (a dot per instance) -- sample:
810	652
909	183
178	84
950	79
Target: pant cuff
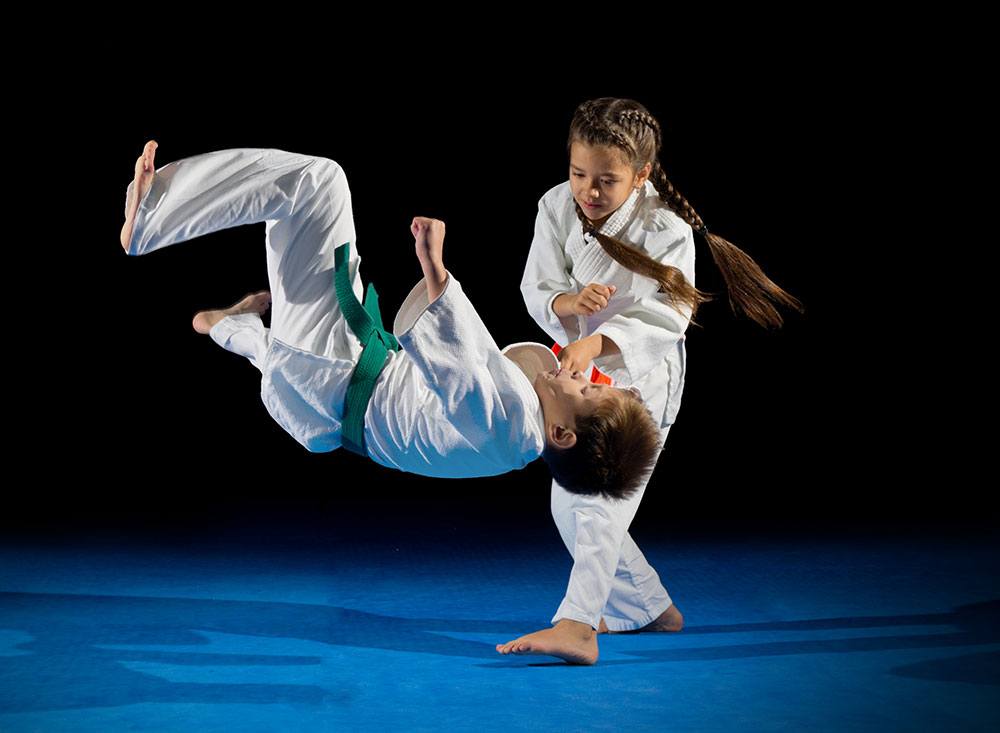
620	624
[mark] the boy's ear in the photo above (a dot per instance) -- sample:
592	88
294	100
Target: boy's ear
562	437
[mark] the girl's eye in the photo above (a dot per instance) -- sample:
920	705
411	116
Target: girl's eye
605	182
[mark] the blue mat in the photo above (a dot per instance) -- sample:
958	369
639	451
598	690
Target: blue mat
365	632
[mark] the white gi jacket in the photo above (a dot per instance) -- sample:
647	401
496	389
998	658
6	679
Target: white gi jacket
649	332
449	404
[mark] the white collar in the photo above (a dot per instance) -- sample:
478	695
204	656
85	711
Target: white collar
532	358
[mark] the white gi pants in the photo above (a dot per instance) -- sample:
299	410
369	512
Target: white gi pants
610	576
305	203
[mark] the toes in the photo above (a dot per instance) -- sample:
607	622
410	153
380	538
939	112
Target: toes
148	155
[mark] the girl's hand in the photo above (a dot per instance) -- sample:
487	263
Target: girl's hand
592	299
428	237
576	357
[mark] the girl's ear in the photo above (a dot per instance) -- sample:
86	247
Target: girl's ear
643	174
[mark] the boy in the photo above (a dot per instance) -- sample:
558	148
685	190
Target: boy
444	400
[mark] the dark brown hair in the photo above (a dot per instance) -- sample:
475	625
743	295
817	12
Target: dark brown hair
616	449
627	126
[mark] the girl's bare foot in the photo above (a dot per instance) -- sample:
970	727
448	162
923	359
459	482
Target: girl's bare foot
144	172
253	303
571	640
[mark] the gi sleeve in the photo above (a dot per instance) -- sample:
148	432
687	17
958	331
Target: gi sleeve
452	348
546	276
648	328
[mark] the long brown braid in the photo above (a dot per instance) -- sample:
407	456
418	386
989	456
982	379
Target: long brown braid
628	126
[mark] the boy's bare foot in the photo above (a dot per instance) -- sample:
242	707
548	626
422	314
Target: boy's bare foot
253	303
669	620
571	640
144	172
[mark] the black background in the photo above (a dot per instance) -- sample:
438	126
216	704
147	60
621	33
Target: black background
843	415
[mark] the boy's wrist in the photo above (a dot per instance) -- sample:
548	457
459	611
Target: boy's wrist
436	276
434	270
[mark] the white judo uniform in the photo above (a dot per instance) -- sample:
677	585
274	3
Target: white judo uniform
448	404
610	575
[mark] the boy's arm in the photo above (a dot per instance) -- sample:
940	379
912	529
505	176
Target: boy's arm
441	332
436	276
460	362
428	243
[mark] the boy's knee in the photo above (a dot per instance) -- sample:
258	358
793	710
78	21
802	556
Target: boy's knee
330	173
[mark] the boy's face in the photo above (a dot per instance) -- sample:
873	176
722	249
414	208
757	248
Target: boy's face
565	396
599	175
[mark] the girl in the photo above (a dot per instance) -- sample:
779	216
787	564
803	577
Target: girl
610	277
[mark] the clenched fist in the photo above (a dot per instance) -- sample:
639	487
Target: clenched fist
591	299
428	236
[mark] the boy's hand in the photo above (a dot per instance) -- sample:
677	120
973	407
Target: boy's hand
428	241
428	236
592	299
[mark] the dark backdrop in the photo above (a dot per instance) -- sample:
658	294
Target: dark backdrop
130	415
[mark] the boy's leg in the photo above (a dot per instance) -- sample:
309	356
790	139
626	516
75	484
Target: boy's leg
305	203
244	334
610	575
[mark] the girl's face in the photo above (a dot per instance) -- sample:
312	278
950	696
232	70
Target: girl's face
600	180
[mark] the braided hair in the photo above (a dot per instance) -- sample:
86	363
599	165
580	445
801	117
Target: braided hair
627	126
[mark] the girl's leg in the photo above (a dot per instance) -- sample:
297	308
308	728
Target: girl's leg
305	204
610	575
637	595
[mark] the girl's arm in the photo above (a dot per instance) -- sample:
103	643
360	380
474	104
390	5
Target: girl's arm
646	330
546	277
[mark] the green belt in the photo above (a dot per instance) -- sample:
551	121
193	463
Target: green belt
366	323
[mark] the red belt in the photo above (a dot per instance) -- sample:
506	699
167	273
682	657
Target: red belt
596	375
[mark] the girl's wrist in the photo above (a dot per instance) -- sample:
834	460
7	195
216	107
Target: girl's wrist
596	345
562	305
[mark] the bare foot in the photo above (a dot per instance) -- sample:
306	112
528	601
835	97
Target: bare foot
144	172
570	640
669	620
253	303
